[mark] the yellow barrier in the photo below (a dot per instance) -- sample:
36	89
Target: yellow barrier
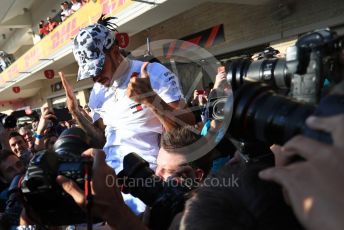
62	35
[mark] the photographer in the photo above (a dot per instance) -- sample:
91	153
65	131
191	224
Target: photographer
174	156
314	187
221	89
235	198
10	166
44	121
199	101
107	202
307	168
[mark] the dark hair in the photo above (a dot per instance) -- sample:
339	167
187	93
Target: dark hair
106	21
15	134
249	204
181	137
205	163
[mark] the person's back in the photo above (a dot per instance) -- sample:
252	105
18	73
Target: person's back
242	202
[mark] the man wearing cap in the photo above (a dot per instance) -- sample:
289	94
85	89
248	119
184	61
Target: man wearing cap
134	100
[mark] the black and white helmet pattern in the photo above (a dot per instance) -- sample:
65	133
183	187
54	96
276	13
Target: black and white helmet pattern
89	47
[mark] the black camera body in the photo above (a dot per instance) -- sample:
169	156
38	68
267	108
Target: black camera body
45	200
166	199
300	75
310	61
217	101
273	97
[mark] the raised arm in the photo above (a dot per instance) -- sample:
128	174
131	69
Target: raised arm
171	115
96	130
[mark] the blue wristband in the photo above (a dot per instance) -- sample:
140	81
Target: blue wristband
38	136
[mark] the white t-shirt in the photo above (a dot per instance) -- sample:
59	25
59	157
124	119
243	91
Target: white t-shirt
76	6
65	14
131	127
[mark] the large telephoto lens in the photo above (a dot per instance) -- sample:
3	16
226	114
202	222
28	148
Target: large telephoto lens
261	114
272	71
136	171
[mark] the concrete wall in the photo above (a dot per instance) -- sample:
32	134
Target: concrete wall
248	25
21	51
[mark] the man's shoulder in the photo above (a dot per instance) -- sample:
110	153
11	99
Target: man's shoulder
152	68
98	91
158	73
97	87
157	68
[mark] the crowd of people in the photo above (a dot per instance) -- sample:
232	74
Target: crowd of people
67	9
45	27
138	107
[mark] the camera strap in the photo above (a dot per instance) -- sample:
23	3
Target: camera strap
88	195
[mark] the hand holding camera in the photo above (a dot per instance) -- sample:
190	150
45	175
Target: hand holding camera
60	186
220	79
46	117
107	199
313	186
46	121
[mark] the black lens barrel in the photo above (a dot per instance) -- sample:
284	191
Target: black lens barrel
261	114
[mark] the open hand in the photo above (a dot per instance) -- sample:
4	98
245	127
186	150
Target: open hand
72	103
